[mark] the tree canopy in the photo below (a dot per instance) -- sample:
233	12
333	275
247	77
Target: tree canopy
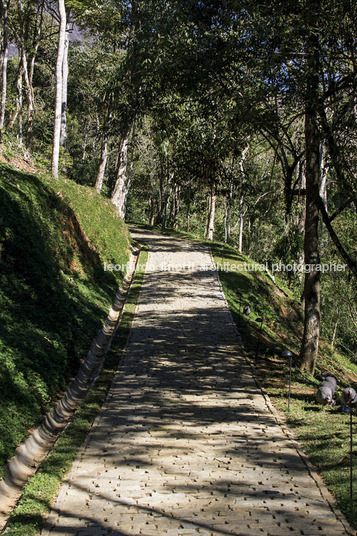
233	119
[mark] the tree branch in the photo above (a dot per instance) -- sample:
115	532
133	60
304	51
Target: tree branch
342	208
325	217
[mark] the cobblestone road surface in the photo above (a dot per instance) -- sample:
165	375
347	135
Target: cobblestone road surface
186	443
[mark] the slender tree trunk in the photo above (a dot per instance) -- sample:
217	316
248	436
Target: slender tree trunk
228	214
166	205
59	89
18	112
161	194
211	212
174	193
3	91
241	226
333	340
176	211
241	199
226	221
63	134
323	177
29	96
5	56
310	341
103	154
122	183
20	104
171	198
229	221
102	164
207	215
29	70
249	235
152	216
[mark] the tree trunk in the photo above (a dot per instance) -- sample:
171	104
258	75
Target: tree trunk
166	205
333	340
211	212
63	134
226	221
122	183
241	199
241	225
310	341
59	89
175	206
103	153
20	104
102	164
5	56
160	217
177	191
18	100
228	214
18	112
29	65
152	213
29	96
323	177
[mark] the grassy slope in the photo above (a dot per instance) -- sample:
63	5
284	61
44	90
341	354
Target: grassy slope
28	517
54	238
324	434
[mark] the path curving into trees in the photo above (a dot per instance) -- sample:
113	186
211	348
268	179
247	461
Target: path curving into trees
186	442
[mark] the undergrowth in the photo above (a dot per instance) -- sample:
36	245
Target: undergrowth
54	239
27	519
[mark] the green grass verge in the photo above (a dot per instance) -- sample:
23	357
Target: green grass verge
54	239
28	517
324	435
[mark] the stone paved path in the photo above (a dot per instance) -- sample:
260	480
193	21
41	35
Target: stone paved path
186	443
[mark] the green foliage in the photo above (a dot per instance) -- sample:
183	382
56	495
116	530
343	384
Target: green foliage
246	284
54	238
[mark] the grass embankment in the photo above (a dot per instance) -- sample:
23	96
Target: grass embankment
54	238
28	517
324	434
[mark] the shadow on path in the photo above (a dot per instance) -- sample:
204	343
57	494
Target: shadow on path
185	443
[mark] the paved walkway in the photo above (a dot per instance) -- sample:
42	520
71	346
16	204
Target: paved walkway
186	443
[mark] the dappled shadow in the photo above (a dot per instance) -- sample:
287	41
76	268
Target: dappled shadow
186	443
174	520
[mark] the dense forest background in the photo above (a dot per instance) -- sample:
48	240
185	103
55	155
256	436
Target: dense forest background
233	120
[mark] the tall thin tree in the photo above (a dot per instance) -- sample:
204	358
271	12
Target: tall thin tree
5	55
59	87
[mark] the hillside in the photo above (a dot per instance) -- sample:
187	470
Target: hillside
324	433
55	237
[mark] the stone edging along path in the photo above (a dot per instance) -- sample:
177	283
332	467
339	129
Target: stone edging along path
25	463
187	443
